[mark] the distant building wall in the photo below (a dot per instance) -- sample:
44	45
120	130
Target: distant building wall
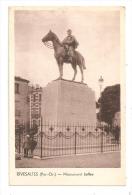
21	102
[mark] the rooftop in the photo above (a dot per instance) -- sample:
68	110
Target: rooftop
21	79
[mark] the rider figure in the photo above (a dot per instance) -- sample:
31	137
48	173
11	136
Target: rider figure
70	43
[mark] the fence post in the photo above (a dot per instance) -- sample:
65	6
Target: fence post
41	141
75	140
101	141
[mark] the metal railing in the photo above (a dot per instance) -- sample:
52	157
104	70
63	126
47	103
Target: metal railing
63	139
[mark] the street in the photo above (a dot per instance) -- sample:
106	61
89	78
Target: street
99	160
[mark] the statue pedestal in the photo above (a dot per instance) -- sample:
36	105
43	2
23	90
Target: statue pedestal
68	102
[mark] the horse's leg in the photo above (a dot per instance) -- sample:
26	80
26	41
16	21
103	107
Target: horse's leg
81	69
60	65
61	70
75	71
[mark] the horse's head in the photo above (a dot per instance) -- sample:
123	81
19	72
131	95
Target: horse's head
48	37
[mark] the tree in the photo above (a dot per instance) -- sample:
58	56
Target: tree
109	103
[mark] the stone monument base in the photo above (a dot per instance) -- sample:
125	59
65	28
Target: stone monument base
68	102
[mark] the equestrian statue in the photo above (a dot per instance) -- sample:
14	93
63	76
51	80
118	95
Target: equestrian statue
65	52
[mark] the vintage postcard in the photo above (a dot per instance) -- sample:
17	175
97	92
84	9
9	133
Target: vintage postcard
67	95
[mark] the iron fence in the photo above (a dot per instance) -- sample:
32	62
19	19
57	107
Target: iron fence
59	140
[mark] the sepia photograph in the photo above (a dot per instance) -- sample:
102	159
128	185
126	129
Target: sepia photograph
67	89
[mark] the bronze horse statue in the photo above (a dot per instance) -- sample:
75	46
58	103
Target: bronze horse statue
61	55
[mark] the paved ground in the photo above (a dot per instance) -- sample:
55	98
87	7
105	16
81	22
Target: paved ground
100	160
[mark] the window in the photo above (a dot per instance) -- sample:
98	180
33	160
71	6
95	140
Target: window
16	122
40	97
16	87
34	97
17	112
34	123
40	111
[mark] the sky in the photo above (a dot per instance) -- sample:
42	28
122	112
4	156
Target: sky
98	34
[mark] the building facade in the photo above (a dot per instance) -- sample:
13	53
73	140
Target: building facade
35	98
21	103
27	104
